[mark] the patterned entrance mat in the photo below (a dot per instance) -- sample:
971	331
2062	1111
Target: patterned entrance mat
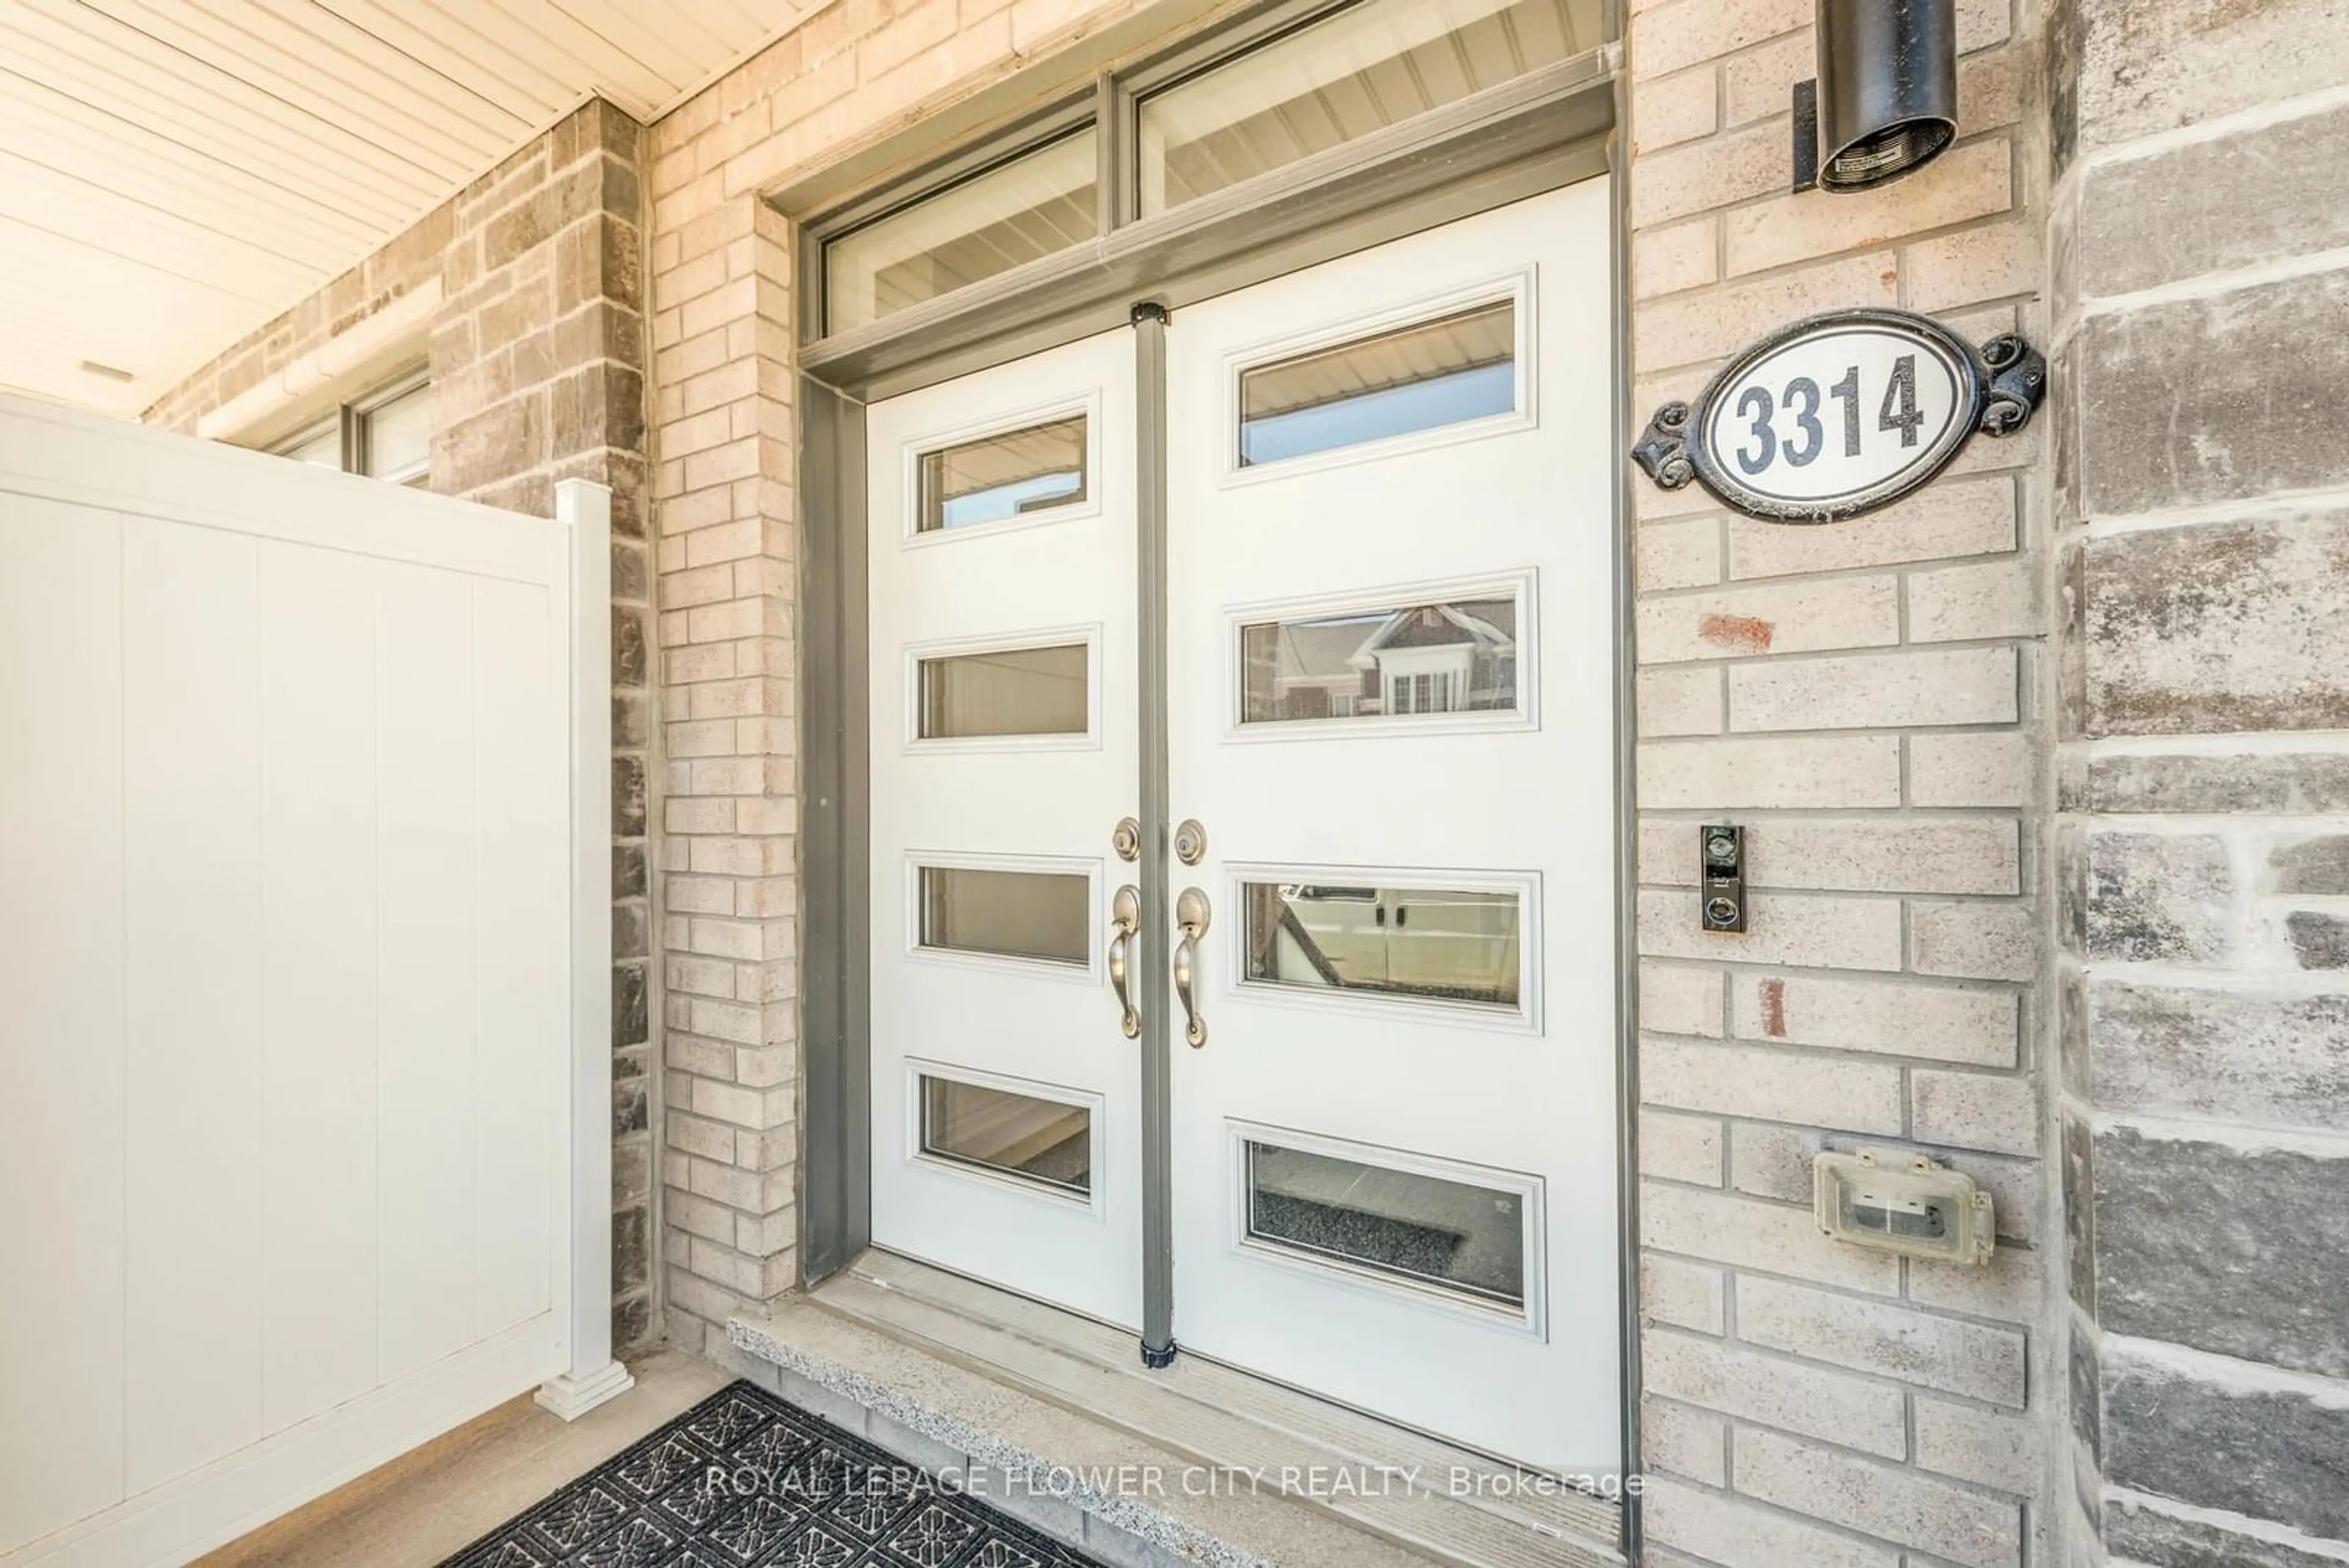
744	1479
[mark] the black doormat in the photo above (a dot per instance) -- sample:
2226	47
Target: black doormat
745	1479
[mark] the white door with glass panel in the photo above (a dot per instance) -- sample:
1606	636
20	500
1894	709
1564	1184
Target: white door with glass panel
1392	681
1004	747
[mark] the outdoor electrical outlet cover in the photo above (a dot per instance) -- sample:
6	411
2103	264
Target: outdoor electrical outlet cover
1893	1201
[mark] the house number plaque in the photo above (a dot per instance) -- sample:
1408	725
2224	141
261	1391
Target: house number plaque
1840	414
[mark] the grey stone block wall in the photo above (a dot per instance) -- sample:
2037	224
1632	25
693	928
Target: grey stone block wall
2201	477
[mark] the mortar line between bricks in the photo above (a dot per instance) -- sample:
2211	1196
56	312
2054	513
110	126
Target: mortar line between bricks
1784	120
2230	1372
1806	1051
1882	1380
2264	1530
2244	1137
2216	129
1979	986
1901	642
2324	499
1889	731
1792	656
2279	984
1892	245
1922	815
2019	1329
1879	895
1811	1523
2220	743
1893	732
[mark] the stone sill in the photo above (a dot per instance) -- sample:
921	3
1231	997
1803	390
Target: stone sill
990	1389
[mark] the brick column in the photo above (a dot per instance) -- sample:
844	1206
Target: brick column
538	363
2202	213
722	354
1862	697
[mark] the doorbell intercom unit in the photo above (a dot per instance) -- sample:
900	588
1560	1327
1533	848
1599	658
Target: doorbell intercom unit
1720	879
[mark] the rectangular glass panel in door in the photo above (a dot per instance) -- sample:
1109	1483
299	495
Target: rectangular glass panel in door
1433	943
1370	66
1038	203
1006	691
1024	1136
1448	371
1448	656
1460	1238
1016	474
1041	915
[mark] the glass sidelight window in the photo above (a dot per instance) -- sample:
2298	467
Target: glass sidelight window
1422	376
1444	1233
1045	1141
1366	68
1441	944
1014	473
1045	916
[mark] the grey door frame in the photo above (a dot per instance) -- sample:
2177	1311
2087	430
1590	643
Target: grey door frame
1551	129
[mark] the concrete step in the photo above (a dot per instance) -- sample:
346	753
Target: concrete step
1052	1418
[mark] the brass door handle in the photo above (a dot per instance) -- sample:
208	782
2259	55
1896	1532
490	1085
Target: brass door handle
1124	920
1191	918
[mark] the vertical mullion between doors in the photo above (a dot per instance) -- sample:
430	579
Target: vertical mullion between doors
1157	1110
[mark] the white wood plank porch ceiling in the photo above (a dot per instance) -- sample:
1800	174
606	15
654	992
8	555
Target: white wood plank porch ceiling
173	173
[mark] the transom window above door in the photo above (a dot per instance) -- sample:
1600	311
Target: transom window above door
1036	204
1258	94
1338	79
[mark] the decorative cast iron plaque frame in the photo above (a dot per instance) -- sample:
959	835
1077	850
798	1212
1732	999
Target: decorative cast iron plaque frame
1998	387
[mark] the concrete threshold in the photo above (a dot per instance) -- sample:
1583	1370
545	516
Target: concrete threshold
1052	1418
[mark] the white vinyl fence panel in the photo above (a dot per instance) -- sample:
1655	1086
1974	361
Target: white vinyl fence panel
299	926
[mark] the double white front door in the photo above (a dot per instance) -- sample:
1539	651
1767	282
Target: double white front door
1389	636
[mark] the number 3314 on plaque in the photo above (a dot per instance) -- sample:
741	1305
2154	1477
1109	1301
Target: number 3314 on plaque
1840	414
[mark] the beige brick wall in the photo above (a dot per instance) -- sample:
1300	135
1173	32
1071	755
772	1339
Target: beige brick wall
1865	697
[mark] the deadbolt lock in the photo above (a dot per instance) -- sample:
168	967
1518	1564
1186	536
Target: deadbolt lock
1190	842
1126	839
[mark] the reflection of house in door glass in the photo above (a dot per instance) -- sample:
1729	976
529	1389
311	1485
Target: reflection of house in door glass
1420	659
